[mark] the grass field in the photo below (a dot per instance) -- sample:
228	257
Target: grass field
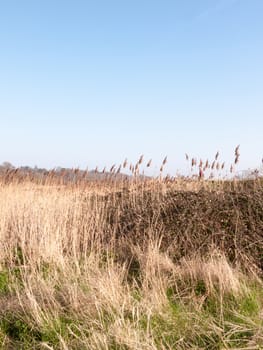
131	264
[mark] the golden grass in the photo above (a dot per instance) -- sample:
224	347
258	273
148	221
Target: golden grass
102	265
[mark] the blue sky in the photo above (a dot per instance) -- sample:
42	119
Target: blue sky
86	83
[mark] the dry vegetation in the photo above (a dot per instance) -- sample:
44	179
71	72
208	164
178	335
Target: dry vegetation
131	263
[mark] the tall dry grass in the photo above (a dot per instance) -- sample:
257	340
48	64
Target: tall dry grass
130	264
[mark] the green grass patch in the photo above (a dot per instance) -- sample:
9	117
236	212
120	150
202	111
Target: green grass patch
4	282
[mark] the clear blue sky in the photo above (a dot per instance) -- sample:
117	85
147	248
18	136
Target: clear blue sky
86	83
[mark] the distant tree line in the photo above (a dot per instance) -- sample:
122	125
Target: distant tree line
68	174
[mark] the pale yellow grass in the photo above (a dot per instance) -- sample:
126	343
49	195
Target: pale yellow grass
54	239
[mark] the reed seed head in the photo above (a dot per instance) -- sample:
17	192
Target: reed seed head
164	161
125	163
140	160
201	173
112	168
149	163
